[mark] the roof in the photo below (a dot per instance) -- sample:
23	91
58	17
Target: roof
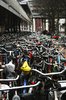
47	8
14	7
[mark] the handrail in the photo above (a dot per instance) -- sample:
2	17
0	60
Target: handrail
49	74
14	79
21	87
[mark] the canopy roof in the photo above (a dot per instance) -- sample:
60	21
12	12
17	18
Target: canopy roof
47	8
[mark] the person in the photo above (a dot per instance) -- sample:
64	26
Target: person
9	70
25	75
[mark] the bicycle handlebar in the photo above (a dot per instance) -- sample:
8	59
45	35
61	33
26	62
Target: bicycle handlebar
7	80
59	43
47	48
21	87
51	63
61	88
62	81
1	70
7	50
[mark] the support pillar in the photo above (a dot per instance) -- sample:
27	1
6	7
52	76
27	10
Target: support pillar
33	24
